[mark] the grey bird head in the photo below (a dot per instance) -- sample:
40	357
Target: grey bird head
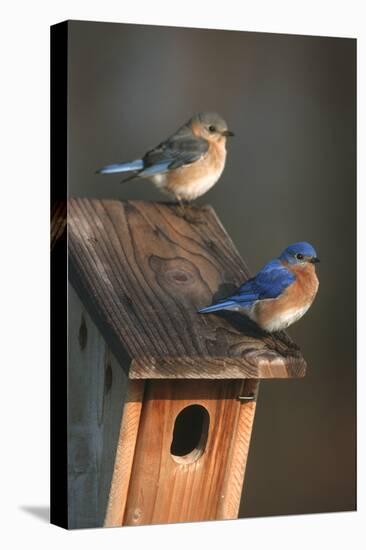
210	126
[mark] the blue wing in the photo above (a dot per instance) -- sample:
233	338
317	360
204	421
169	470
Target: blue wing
269	283
180	149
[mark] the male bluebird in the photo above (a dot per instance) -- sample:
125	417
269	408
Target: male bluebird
188	163
280	293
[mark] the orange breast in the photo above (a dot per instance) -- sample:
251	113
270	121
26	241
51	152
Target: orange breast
204	172
297	297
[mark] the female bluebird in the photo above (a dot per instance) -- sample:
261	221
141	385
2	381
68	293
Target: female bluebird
280	293
188	163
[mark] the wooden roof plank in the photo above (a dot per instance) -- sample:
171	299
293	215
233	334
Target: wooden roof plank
143	270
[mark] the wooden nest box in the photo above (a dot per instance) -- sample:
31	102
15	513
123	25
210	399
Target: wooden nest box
161	399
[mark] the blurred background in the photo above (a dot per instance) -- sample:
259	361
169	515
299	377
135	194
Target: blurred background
290	175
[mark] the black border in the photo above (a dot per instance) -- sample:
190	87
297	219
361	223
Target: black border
58	497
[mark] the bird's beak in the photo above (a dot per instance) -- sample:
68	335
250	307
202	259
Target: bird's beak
314	260
227	133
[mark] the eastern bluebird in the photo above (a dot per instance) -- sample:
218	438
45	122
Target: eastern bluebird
188	163
280	293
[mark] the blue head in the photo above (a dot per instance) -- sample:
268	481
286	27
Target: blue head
299	253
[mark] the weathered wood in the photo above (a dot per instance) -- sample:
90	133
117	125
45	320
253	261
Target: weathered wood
143	270
256	365
235	473
96	391
125	454
167	489
58	220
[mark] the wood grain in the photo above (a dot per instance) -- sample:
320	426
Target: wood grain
58	220
164	490
143	270
235	468
257	364
125	454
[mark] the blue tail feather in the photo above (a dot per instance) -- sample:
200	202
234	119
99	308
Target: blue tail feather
217	307
119	167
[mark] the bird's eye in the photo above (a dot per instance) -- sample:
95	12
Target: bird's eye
212	128
299	256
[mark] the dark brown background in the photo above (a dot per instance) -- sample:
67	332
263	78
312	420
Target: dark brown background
290	175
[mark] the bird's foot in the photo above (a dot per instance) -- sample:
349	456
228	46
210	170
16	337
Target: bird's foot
286	340
189	213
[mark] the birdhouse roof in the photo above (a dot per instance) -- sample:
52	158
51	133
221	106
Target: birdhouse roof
142	270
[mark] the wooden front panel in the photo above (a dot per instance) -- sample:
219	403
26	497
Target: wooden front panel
198	486
125	454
